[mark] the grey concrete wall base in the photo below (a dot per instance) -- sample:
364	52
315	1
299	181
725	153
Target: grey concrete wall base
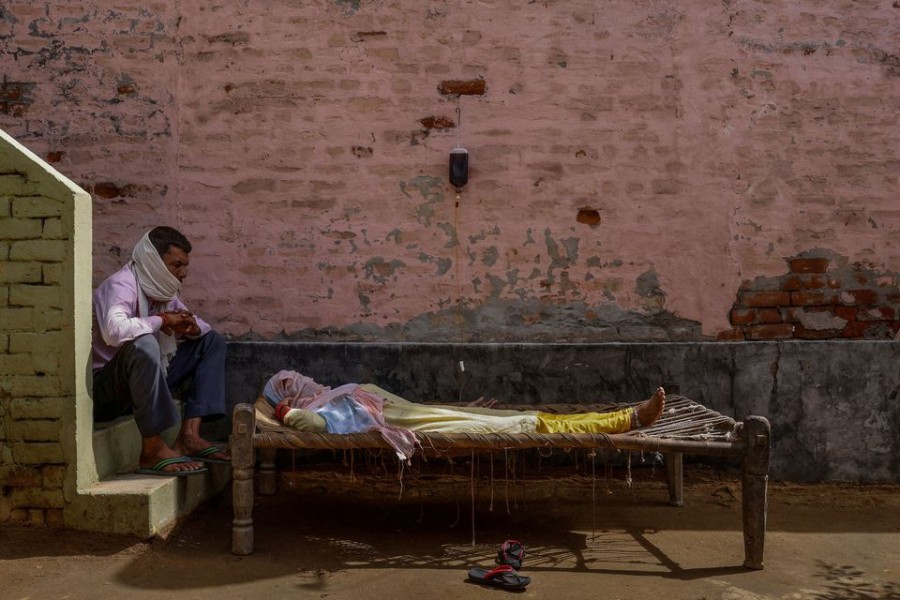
834	405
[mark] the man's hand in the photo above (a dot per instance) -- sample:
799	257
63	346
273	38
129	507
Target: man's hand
179	322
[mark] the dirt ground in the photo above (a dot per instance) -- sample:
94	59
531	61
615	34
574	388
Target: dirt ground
339	536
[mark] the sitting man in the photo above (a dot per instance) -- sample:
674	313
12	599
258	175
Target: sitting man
146	342
302	403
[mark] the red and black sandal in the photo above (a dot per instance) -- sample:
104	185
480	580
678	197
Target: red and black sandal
511	553
503	576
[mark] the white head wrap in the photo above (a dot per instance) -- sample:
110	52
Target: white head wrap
155	279
158	284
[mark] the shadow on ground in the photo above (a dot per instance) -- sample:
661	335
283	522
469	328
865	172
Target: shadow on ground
326	532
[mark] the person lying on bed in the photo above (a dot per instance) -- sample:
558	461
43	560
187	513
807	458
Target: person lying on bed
305	405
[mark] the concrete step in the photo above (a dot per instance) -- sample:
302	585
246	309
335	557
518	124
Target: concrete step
143	505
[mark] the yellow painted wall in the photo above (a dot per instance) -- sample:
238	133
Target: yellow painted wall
45	320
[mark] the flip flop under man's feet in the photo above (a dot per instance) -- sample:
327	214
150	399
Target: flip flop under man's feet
159	469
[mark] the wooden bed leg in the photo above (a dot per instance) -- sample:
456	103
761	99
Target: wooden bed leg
675	472
755	476
242	460
267	475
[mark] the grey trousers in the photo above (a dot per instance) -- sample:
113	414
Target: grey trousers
133	381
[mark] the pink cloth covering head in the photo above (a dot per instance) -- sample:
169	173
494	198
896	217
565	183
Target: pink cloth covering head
300	391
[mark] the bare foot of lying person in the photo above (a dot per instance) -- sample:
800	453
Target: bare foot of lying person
649	411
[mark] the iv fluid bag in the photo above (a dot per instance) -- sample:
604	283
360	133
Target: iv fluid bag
459	167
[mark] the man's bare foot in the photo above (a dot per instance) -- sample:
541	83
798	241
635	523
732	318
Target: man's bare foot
154	450
191	444
197	446
649	411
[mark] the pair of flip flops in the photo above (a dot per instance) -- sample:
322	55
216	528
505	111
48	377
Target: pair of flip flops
159	469
504	575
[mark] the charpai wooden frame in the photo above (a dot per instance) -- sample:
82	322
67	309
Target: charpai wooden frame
686	427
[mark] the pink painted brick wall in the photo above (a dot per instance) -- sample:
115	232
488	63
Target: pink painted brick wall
632	163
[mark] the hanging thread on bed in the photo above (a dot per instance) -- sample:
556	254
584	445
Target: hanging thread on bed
506	479
458	515
472	493
628	470
515	487
491	458
593	456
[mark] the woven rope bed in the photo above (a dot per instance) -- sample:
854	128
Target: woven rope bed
686	427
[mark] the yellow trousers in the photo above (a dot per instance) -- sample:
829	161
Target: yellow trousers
591	422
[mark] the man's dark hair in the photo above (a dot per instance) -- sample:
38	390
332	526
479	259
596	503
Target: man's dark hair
163	237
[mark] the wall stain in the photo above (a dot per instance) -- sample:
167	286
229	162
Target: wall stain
349	7
443	264
430	189
560	260
516	320
489	256
450	230
379	270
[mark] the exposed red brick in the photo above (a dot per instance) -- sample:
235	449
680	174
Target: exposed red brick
106	189
801	333
803	282
730	335
742	317
809	265
770	332
437	123
868	297
588	216
769	315
792	284
848	313
813	298
857	329
54	157
755	299
466	87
